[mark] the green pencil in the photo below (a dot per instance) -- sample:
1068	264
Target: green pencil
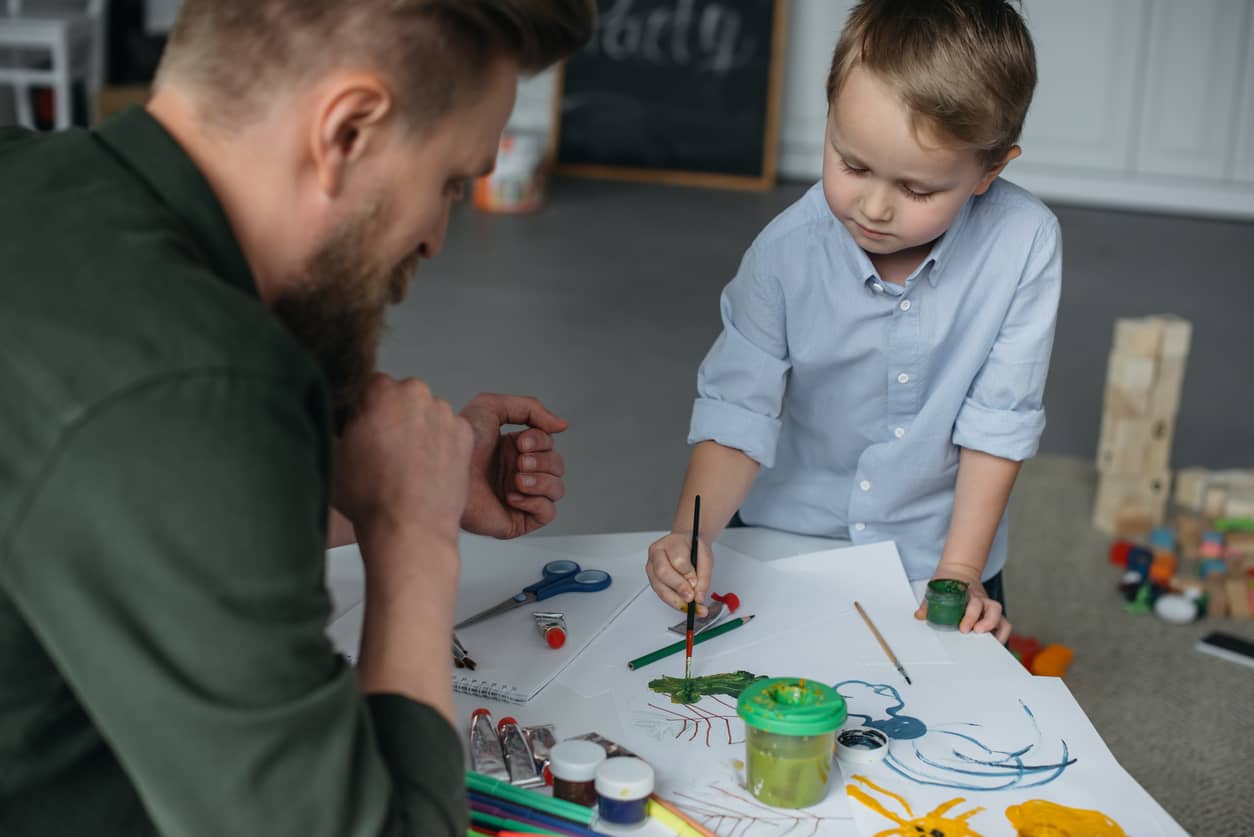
675	648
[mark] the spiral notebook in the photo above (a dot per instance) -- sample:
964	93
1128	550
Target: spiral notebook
514	662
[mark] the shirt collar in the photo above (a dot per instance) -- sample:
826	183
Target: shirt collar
942	248
153	154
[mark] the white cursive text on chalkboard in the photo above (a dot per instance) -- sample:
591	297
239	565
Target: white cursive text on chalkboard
671	34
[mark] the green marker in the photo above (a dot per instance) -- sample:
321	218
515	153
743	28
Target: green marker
675	648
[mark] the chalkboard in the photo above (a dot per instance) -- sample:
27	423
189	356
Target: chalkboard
678	91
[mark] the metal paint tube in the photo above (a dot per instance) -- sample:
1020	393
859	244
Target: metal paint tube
542	740
552	627
486	755
519	760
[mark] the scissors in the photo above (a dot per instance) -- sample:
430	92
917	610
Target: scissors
557	577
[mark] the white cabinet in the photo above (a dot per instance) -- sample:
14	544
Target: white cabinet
813	28
1190	112
1243	162
1082	114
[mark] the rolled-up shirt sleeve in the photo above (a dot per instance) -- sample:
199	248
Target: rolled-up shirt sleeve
741	383
1003	413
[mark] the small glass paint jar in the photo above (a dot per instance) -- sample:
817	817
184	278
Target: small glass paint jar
946	603
574	767
623	786
790	732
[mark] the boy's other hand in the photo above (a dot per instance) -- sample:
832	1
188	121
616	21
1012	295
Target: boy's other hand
984	615
670	573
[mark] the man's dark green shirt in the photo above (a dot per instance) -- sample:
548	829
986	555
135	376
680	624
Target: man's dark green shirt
163	493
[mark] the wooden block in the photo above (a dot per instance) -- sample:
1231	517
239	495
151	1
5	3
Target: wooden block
1165	395
1238	591
1214	499
1141	337
1239	504
1133	525
1241	543
1189	487
1216	597
1134	446
1189	529
1130	500
1177	335
1130	372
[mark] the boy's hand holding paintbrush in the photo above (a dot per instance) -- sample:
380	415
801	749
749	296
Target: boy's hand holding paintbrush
721	476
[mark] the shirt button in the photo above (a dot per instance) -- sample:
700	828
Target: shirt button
903	378
905	305
899	432
858	527
879	289
865	485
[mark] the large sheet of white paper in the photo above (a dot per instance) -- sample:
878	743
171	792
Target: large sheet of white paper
994	758
873	575
779	603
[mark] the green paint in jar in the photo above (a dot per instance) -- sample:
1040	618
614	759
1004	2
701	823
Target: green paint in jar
790	726
946	603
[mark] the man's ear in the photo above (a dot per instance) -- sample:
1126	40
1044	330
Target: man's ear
992	174
351	121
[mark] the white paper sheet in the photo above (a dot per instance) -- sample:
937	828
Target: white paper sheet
1015	749
873	575
514	663
778	602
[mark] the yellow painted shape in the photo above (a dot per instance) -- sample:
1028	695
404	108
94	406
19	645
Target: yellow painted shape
1039	818
932	823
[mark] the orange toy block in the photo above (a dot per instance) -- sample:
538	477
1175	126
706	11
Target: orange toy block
1053	660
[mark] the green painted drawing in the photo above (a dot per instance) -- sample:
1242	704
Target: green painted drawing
691	691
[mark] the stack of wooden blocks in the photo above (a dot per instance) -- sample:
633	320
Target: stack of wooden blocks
1143	380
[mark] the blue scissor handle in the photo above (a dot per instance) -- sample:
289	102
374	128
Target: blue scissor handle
552	571
584	581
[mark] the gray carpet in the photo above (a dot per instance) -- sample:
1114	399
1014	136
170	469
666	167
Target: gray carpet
1181	722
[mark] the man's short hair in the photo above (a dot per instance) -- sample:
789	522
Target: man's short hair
964	67
238	54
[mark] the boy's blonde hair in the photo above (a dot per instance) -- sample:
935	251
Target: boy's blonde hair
237	54
966	68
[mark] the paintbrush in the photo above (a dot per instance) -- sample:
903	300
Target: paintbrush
692	605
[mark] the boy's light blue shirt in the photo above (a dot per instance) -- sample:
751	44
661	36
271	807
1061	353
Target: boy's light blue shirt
856	394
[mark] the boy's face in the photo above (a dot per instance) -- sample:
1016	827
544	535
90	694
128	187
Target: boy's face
892	187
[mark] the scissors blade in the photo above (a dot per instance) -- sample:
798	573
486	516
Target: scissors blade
496	610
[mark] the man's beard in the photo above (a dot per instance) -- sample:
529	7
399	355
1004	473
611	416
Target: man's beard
336	310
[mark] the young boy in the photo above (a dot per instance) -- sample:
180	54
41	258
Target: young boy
886	340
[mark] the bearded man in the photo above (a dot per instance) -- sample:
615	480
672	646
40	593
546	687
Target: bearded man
191	304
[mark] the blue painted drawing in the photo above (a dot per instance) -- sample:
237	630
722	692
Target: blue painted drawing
952	755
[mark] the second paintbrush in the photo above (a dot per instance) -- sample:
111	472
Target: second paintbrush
675	648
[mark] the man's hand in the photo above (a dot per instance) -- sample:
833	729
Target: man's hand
402	462
515	477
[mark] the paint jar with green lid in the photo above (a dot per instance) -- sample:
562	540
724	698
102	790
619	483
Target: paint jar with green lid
790	730
946	603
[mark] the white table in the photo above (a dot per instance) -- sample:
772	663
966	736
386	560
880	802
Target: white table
573	713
